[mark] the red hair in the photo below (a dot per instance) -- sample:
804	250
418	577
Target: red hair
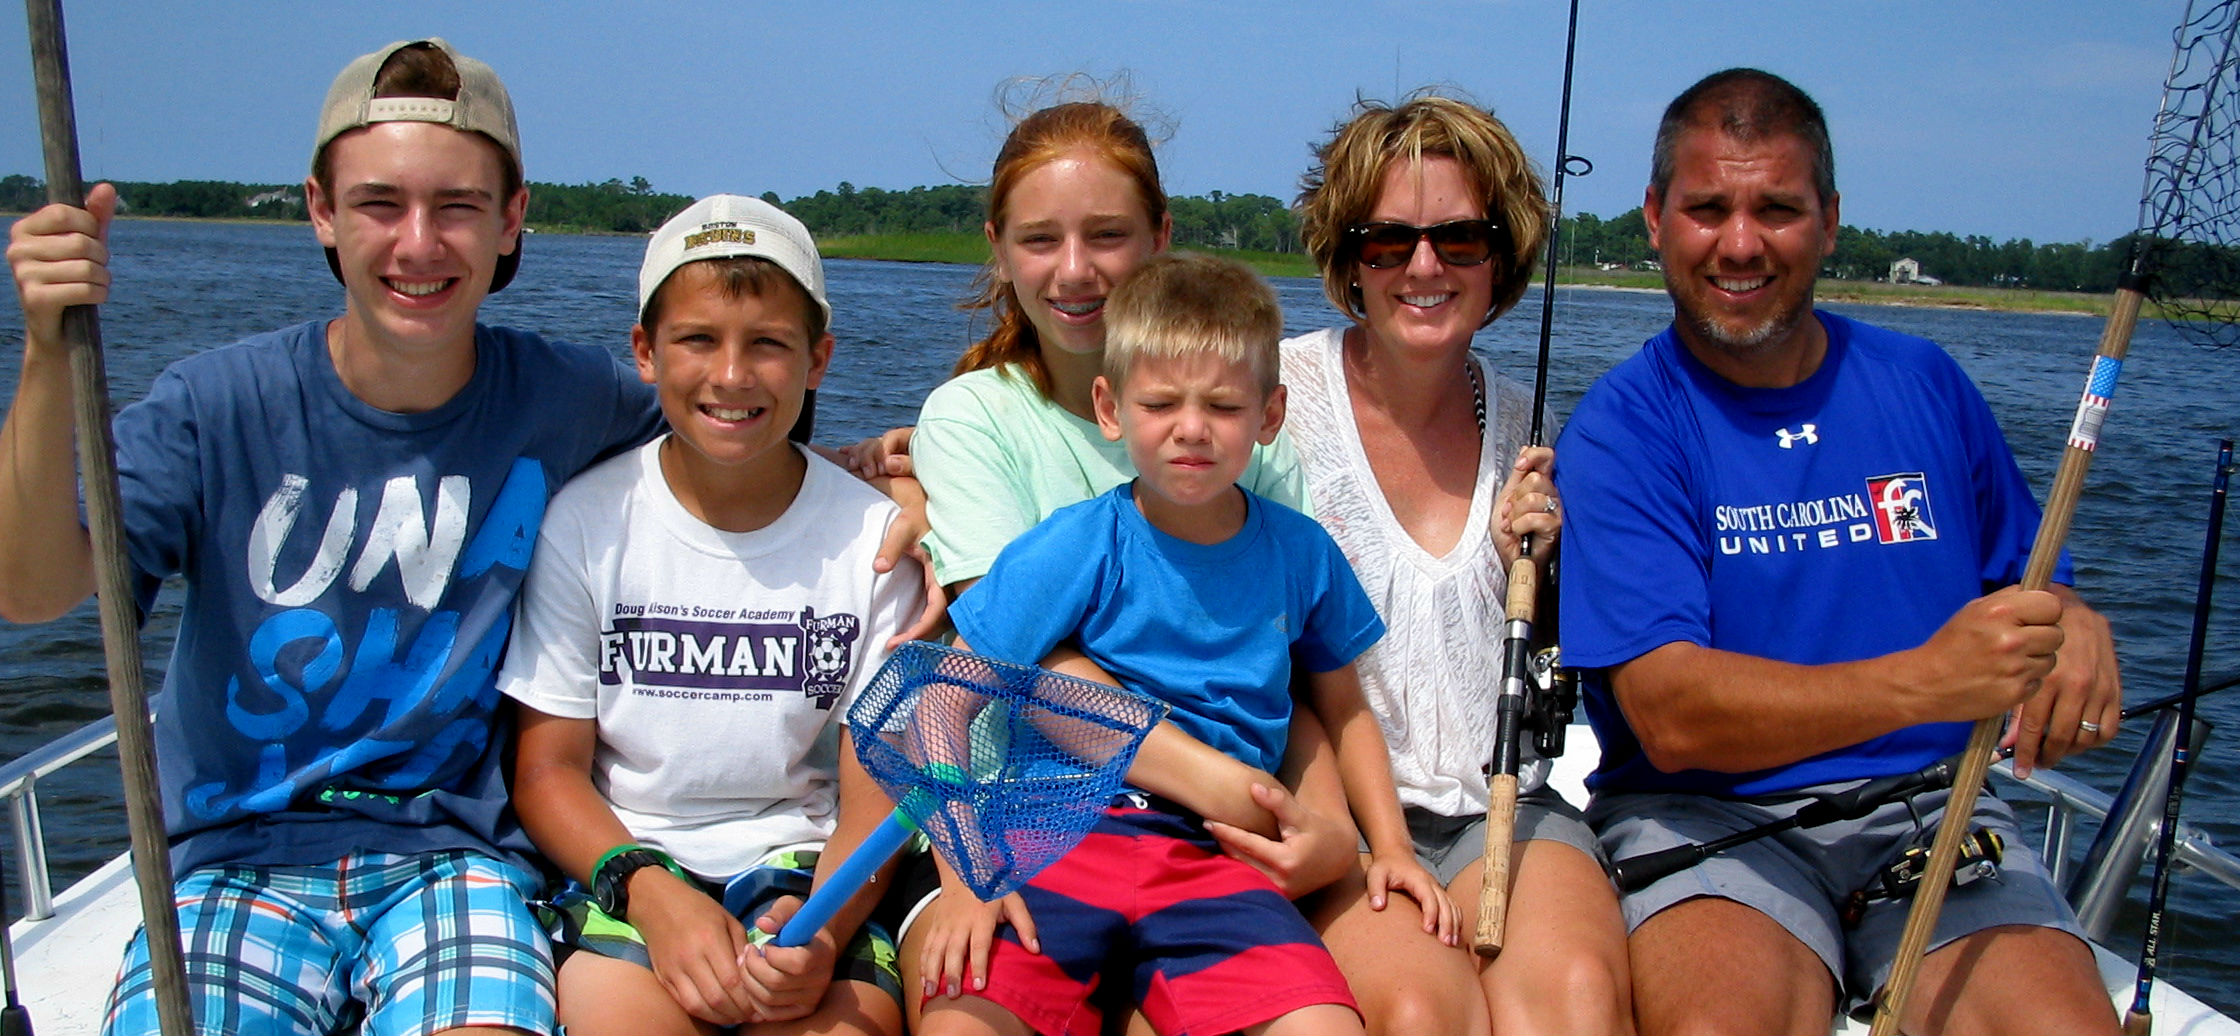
1041	137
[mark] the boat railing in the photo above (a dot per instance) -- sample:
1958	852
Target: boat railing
2130	824
19	787
2096	886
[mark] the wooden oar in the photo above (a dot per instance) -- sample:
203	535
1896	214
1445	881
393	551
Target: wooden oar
120	615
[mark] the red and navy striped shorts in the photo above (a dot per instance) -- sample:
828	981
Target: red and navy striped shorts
1149	906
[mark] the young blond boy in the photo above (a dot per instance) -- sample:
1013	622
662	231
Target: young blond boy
698	615
1187	587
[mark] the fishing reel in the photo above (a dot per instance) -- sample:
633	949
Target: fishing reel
1981	852
1555	697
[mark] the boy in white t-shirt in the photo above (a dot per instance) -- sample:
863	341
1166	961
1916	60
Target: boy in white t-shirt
698	615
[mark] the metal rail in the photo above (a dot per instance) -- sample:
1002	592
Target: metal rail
2064	798
2098	885
19	787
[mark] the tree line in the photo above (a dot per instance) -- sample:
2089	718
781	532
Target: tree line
1867	255
1216	220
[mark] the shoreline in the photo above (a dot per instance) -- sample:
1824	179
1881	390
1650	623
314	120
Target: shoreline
970	250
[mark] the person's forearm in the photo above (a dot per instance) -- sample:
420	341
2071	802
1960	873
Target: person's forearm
1364	760
46	556
863	807
1177	766
1697	708
1310	770
1366	769
571	824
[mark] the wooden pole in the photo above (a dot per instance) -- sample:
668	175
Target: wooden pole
120	616
1975	762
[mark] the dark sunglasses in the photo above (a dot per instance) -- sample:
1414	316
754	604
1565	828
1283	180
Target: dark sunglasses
1461	242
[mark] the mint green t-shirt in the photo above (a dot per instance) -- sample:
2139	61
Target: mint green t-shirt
996	456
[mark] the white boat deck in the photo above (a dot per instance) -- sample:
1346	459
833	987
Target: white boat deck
67	963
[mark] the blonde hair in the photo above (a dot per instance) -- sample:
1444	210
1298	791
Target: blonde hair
1188	304
1097	126
1341	189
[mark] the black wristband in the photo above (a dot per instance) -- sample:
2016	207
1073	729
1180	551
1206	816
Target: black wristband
610	878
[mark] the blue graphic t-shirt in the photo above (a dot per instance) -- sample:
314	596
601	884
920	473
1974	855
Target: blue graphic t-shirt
1207	628
349	575
1839	519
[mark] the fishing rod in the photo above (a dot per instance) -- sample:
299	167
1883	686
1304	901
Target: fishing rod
2186	211
2139	1020
1524	585
2181	698
1635	873
120	618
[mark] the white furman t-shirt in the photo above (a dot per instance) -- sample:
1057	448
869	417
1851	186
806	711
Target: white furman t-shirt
1434	680
719	665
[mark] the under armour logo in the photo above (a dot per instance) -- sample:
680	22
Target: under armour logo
1809	436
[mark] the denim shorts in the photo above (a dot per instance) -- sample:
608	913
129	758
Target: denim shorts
1445	845
400	945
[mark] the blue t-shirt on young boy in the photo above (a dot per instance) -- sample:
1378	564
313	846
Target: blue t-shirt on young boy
1207	628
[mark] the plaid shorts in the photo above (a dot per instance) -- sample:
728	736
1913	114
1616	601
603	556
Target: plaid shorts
399	945
576	924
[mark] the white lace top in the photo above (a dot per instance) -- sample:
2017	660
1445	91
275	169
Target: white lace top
1434	678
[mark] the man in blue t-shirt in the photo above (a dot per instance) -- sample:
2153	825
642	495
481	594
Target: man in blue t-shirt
351	503
1785	530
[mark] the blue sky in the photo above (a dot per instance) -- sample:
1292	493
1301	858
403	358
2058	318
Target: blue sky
2014	119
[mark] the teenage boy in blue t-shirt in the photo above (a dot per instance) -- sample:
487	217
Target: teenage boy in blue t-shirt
351	503
1188	588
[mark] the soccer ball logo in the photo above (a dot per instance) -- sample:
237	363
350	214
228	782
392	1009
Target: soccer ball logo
828	658
831	642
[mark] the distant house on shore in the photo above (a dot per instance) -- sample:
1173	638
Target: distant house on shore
287	195
1908	271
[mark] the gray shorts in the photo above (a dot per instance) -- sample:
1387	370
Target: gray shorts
1445	845
1801	877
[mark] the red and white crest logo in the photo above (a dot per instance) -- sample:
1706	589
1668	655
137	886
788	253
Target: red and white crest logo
1901	507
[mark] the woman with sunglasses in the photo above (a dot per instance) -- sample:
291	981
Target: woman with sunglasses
1425	219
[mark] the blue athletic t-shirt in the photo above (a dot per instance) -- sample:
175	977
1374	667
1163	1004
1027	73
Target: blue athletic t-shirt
349	576
1839	519
1207	628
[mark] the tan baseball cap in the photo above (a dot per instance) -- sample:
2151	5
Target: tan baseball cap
482	106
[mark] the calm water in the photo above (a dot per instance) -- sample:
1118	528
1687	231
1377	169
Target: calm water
2137	539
